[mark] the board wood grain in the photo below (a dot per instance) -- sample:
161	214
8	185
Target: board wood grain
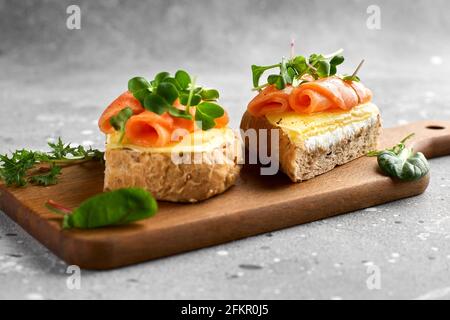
257	204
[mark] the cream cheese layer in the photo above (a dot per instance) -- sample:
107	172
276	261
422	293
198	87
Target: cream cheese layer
320	130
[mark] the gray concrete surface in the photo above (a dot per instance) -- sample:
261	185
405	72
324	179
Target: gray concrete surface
55	82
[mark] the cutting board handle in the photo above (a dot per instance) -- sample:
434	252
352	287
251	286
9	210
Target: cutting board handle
432	137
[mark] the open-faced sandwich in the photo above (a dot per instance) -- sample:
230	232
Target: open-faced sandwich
324	119
171	138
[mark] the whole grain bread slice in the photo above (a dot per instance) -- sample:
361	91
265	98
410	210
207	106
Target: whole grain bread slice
301	163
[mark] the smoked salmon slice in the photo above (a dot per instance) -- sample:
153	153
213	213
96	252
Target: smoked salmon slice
327	94
126	99
149	129
269	100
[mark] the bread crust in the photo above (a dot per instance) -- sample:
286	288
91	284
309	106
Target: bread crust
301	164
171	181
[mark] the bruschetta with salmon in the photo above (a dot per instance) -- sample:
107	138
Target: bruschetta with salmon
171	138
323	119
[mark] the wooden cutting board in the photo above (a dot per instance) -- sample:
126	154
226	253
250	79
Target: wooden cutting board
257	204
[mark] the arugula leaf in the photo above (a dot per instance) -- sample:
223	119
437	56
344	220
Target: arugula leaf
13	169
113	208
19	168
119	121
206	112
401	162
47	179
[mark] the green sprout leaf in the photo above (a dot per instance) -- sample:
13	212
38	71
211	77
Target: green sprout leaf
183	79
209	94
195	100
156	104
257	72
119	121
168	91
323	68
206	112
160	95
159	78
139	87
277	80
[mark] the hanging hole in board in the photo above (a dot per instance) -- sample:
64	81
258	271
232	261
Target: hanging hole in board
435	127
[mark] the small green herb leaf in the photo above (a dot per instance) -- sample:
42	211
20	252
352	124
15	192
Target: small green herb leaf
183	79
139	87
156	104
112	208
179	113
119	121
257	72
195	100
159	78
47	179
401	162
168	91
351	78
209	94
323	69
337	60
277	80
19	168
206	112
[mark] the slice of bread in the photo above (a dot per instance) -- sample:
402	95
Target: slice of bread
212	169
304	158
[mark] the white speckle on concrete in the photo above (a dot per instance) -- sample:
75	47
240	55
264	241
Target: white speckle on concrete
392	260
34	296
87	143
314	254
434	249
276	260
277	291
423	236
430	94
87	132
395	255
371	209
435	294
436	60
222	253
336	298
